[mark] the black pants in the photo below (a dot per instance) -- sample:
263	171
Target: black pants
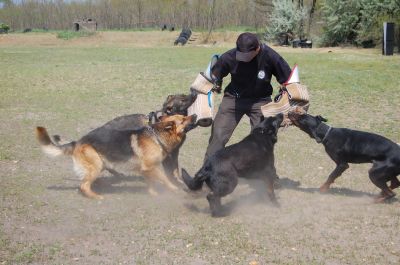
230	112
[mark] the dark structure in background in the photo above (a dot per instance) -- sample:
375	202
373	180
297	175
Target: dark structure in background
165	27
302	43
183	36
388	38
87	24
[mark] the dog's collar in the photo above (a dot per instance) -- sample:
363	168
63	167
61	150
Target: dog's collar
322	127
326	134
153	116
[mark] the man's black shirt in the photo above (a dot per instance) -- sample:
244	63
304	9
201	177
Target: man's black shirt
252	79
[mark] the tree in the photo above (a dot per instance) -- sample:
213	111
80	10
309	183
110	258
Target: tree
373	14
286	17
211	20
341	19
357	21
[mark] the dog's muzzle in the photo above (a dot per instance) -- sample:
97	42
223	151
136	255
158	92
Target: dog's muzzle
292	97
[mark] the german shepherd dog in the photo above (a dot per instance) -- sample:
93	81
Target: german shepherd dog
346	146
253	157
174	104
143	149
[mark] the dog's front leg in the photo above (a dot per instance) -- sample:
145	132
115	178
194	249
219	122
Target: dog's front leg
215	205
269	181
171	167
340	168
159	175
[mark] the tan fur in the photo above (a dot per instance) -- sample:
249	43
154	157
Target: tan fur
150	148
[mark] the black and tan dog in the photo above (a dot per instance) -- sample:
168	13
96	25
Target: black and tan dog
253	157
346	146
174	104
144	150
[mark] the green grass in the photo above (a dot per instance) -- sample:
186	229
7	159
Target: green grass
68	34
71	90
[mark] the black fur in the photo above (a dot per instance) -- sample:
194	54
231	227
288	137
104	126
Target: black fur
253	157
178	104
114	144
350	146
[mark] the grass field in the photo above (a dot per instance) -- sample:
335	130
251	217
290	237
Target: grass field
73	86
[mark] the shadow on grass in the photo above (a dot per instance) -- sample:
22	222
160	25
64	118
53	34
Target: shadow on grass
333	191
295	185
258	195
105	185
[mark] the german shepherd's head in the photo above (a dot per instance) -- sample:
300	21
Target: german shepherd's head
171	130
182	123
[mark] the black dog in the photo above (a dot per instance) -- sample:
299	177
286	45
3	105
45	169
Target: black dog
253	157
349	146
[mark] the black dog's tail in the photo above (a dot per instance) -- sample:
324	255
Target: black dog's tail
195	183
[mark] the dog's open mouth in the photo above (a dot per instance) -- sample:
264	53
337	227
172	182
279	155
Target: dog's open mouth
168	110
286	122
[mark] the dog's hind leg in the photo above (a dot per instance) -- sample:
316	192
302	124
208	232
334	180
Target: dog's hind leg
394	183
340	168
379	175
88	165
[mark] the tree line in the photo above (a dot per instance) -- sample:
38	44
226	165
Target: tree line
332	22
134	14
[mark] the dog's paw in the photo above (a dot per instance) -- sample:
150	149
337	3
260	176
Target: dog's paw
324	189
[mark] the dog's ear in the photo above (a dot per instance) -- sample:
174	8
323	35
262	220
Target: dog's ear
320	118
164	125
169	125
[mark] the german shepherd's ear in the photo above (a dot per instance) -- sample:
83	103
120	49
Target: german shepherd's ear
164	125
169	125
320	118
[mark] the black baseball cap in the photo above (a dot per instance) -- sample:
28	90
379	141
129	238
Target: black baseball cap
246	47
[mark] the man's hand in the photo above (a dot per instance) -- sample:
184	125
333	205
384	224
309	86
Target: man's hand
282	90
216	88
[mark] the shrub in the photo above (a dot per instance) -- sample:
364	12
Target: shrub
341	19
4	28
357	21
286	17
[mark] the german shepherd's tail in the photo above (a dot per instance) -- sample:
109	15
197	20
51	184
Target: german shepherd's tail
51	148
195	183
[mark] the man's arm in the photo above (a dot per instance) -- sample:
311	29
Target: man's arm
219	71
281	69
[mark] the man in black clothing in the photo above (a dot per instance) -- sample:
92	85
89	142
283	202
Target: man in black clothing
251	65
